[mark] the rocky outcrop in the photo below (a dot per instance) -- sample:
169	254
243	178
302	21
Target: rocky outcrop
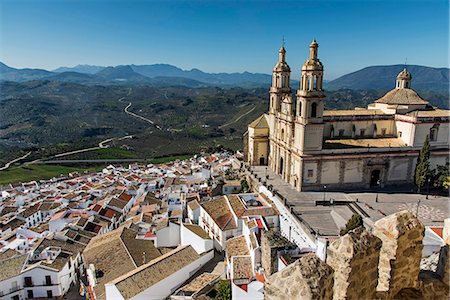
354	259
401	252
306	278
384	264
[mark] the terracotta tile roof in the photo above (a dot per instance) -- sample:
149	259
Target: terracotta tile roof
237	246
116	253
12	266
96	208
220	212
430	113
140	279
125	197
198	231
92	227
199	283
402	97
353	112
364	143
242	267
30	211
109	213
116	202
237	205
193	204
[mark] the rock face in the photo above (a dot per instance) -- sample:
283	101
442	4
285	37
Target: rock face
307	278
354	259
384	264
401	252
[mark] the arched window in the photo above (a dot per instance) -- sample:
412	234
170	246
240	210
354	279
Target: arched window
309	84
314	110
434	132
332	132
299	108
282	134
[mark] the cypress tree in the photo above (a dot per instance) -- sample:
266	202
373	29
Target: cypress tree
423	165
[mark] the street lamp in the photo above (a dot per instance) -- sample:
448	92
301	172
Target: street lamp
417	210
378	184
324	190
428	187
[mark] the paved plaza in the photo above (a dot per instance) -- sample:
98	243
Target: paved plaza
327	212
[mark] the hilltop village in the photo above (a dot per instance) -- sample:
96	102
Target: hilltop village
235	225
175	230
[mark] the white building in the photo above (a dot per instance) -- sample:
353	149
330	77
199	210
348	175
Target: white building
159	278
310	147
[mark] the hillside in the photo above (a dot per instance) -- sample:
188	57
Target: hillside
53	116
383	78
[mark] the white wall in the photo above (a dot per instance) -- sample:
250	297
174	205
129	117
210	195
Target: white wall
252	291
168	236
189	238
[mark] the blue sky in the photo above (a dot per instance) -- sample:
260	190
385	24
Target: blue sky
223	36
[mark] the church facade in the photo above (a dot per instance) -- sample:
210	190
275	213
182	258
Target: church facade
313	149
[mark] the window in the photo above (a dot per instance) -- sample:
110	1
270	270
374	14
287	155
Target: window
28	281
341	132
300	108
282	134
48	280
362	132
434	132
30	294
49	294
310	173
383	131
332	131
313	110
399	134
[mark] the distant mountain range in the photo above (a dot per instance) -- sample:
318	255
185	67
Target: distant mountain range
383	78
375	77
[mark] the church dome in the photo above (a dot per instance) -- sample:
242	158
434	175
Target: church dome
404	75
402	96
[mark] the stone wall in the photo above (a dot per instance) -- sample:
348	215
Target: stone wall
306	278
354	258
383	264
401	252
271	242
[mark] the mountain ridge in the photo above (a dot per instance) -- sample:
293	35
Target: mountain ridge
372	77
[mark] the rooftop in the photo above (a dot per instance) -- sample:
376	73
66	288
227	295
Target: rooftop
198	231
402	96
363	143
237	246
140	279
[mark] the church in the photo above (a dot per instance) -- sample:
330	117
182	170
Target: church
314	149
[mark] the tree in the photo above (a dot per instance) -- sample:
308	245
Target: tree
354	222
423	166
244	186
223	290
442	177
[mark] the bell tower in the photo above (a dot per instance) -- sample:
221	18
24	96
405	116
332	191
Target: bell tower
281	117
280	82
310	106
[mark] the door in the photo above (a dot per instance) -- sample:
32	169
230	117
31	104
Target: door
375	178
281	166
262	161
